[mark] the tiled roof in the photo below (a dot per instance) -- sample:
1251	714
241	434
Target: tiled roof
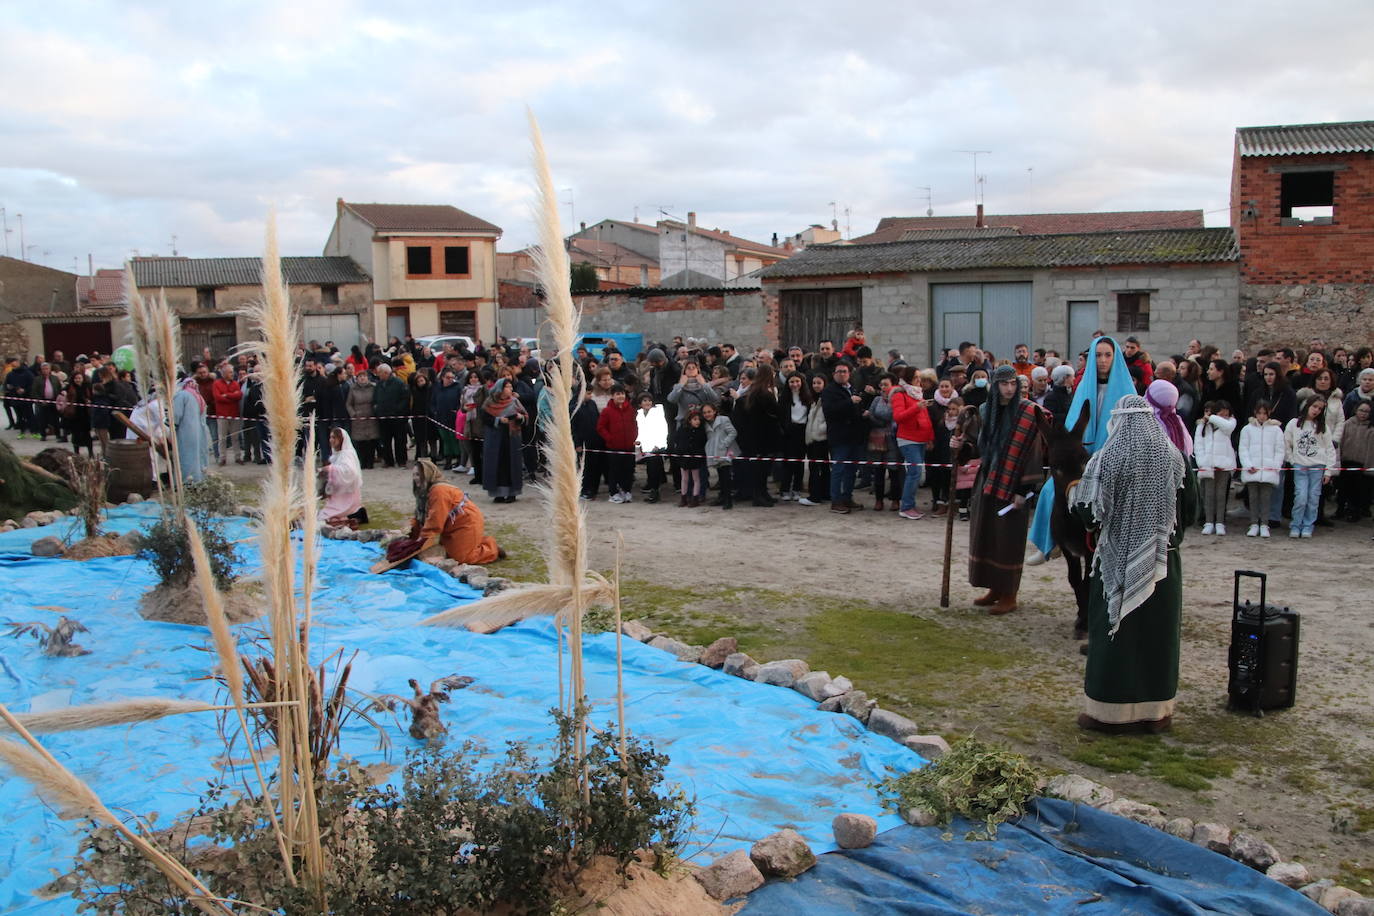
642	227
607	254
109	288
150	273
732	240
1307	139
420	218
1091	249
890	228
930	235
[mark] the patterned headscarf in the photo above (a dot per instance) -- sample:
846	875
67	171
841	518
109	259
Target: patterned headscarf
1163	399
429	476
997	418
1131	487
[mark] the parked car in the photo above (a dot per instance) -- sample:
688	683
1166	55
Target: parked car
436	342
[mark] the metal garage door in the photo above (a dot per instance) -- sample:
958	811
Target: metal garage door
996	316
341	329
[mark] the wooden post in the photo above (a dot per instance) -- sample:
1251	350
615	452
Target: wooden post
951	504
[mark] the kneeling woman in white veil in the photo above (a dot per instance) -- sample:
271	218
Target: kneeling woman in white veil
1139	494
343	483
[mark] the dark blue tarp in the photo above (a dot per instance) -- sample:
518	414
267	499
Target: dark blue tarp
1060	858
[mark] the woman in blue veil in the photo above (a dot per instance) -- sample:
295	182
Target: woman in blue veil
1105	381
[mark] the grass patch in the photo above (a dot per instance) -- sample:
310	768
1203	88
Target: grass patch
384	518
524	561
1150	755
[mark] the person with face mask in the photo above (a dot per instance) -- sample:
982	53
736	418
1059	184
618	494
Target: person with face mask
975	393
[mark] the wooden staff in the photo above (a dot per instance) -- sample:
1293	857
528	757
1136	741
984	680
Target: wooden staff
951	504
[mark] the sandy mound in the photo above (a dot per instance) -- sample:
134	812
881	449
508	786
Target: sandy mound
646	893
102	545
182	604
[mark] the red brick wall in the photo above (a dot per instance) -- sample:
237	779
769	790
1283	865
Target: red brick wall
516	295
688	303
1276	254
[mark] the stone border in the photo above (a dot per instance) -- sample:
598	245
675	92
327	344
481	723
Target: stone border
839	695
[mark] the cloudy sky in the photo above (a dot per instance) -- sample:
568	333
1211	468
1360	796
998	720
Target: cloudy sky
123	124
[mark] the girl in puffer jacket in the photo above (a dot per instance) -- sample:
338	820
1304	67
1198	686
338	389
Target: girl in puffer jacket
1261	461
1216	459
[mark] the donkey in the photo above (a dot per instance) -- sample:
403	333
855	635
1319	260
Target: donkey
1066	456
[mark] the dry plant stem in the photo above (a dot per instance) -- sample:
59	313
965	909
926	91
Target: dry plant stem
43	768
620	664
516	604
146	348
227	650
123	712
567	549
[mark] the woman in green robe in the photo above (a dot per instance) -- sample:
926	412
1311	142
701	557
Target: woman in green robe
1138	494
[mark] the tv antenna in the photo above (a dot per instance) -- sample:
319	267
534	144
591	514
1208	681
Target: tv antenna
975	153
930	209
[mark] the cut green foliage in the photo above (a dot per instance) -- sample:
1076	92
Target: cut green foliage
973	780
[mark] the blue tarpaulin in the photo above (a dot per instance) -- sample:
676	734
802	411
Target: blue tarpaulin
756	758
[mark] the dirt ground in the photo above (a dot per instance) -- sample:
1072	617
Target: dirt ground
859	595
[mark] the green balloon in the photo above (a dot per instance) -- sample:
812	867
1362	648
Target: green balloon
123	357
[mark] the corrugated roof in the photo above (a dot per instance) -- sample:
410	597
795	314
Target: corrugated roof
930	235
890	228
1091	249
420	218
154	272
1307	139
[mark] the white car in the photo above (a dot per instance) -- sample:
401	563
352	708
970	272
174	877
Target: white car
436	342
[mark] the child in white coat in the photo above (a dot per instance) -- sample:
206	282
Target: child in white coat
1216	459
1261	462
1312	453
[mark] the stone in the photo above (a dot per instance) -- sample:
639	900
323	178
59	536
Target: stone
920	816
1355	906
857	704
737	662
782	855
1216	837
831	704
1181	827
1251	850
887	723
813	685
134	498
47	547
1139	812
1315	890
1335	897
495	584
1289	874
28	523
636	630
931	747
683	651
714	655
838	687
1080	790
783	673
732	875
478	582
854	831
462	570
250	512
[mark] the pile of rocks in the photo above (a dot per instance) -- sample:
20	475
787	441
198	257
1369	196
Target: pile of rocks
831	694
1245	848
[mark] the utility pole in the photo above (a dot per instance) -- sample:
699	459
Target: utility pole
5	224
23	249
930	209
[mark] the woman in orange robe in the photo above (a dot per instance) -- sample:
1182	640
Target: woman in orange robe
443	511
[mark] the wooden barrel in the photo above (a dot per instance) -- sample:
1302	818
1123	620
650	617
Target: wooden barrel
131	469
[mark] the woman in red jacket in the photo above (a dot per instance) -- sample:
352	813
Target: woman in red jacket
914	434
228	423
617	426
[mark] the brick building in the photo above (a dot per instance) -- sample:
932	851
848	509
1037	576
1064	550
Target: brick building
433	267
1164	286
331	297
40	312
1302	205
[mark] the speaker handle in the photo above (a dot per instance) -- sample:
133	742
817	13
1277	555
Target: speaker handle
1264	587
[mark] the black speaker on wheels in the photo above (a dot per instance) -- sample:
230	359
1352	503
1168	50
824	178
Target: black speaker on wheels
1263	658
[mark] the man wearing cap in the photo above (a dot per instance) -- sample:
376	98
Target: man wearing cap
1012	450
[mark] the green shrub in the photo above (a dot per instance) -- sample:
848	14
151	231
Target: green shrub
211	495
167	547
448	839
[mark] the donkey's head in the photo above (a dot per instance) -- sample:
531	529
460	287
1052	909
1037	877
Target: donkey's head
1064	451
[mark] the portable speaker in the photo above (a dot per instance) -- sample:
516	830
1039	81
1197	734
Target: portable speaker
1263	658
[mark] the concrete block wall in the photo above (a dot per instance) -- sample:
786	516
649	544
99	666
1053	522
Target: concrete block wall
896	315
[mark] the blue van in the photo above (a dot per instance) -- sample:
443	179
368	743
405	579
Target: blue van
629	345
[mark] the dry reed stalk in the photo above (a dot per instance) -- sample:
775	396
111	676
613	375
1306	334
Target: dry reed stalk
117	712
518	603
226	647
620	663
567	545
50	778
146	351
281	396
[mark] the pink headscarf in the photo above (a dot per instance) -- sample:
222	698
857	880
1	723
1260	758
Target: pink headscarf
1162	397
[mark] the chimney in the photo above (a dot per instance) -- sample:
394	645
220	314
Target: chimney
978	218
787	245
775	240
339	206
692	218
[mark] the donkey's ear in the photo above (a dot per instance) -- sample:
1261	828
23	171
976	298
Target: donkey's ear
1082	422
